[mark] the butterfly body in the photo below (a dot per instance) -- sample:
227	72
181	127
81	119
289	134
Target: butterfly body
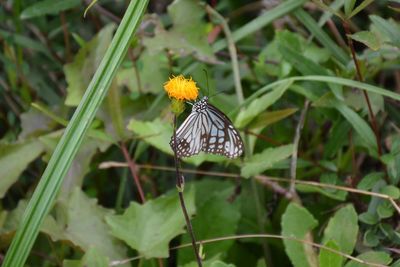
207	129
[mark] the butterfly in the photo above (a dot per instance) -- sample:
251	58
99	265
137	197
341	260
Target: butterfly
207	129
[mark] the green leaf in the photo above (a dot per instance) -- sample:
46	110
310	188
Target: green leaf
215	216
359	125
369	218
378	257
156	133
370	238
48	7
368	182
150	78
389	28
328	258
345	237
328	178
150	227
94	258
14	158
349	6
50	183
270	117
297	222
368	38
187	36
391	191
80	72
385	209
258	163
83	225
260	104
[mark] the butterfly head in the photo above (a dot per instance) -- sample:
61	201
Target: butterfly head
201	104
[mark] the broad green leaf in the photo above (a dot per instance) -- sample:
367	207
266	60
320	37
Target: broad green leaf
188	34
150	79
258	163
345	237
157	133
385	209
259	105
84	226
80	72
371	239
94	258
368	38
48	7
149	228
389	28
298	222
14	158
379	257
391	191
328	258
34	123
215	216
368	182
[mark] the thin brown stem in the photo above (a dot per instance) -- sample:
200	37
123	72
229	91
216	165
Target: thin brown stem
180	185
361	79
293	163
133	169
64	25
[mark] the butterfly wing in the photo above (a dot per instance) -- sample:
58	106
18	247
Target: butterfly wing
222	138
191	135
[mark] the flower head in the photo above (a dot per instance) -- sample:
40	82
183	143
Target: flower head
181	88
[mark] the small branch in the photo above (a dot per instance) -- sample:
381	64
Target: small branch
133	169
247	236
361	79
232	53
293	163
64	25
180	186
266	180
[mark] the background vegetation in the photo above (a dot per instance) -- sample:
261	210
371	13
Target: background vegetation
313	86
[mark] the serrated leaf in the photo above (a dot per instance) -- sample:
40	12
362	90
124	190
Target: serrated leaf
265	160
328	258
297	222
14	158
260	104
345	237
150	227
48	7
368	38
378	257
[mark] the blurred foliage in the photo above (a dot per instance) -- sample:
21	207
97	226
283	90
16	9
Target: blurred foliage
289	53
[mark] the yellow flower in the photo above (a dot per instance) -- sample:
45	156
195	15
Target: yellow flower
181	88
